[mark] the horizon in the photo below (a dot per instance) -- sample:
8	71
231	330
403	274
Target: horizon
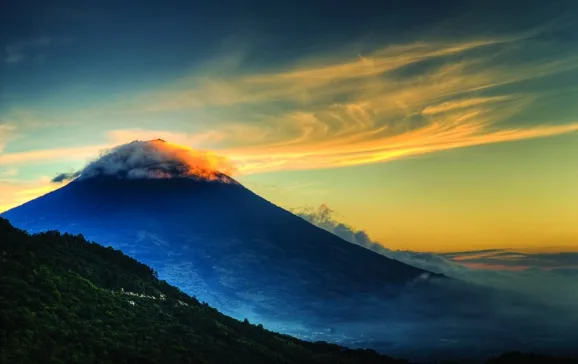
157	159
420	125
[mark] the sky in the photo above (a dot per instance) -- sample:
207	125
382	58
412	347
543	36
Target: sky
442	126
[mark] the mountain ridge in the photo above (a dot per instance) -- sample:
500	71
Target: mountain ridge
63	300
251	259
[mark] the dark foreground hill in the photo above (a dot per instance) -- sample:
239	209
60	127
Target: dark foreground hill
215	239
251	259
65	300
224	244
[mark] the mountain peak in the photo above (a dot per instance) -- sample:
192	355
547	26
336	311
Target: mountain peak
158	159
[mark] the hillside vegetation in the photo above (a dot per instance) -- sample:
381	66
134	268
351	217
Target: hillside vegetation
66	300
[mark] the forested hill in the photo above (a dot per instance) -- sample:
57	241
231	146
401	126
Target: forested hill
66	300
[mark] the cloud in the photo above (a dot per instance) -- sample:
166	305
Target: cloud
545	277
319	80
515	260
65	177
395	102
19	51
39	155
194	140
14	194
31	48
158	159
9	172
26	120
6	132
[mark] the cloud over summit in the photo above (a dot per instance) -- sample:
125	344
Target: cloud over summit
156	159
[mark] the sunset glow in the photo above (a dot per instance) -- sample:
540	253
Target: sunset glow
158	159
441	136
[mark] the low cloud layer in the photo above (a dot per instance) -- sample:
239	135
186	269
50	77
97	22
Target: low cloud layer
515	260
154	159
546	277
533	309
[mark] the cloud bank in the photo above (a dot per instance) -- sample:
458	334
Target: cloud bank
155	159
549	278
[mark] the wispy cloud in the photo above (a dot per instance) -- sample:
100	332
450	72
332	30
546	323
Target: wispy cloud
8	172
516	260
73	153
31	48
197	139
396	102
17	193
325	112
543	276
19	51
65	177
6	131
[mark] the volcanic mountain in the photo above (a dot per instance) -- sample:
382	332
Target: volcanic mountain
179	212
204	232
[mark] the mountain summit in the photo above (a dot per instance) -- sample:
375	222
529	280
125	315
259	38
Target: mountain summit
157	159
178	211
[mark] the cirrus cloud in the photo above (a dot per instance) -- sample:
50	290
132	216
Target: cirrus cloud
394	102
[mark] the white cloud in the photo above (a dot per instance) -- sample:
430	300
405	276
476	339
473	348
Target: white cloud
21	50
18	51
547	277
6	132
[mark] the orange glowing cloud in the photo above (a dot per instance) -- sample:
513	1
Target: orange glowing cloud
345	111
158	159
323	112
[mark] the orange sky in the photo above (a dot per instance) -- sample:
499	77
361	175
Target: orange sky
475	148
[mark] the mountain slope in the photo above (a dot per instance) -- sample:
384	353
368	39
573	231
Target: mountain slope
64	300
177	211
251	259
222	243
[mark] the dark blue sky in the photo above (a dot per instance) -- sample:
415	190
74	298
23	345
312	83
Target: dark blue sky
124	43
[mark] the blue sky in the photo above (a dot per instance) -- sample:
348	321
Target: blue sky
458	117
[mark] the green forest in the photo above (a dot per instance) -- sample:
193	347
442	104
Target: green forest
66	300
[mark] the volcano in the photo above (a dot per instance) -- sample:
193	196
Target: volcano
213	238
179	212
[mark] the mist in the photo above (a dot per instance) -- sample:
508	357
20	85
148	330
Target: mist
555	285
482	310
